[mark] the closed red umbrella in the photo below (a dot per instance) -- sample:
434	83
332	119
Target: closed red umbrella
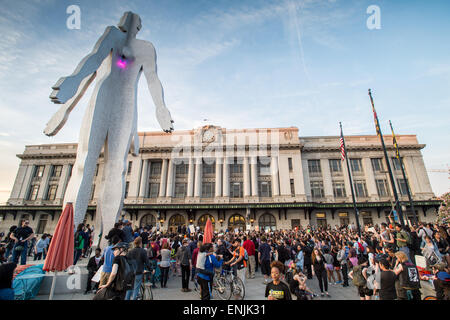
208	234
60	252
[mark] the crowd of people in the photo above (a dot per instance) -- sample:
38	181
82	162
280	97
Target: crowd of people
380	263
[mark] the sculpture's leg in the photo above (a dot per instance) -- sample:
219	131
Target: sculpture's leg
110	200
92	138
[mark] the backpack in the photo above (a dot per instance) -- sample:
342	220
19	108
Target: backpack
358	278
245	255
409	277
126	275
77	239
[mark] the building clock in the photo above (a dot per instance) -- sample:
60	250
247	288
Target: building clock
208	136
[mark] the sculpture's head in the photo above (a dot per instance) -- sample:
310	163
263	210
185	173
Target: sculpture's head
130	22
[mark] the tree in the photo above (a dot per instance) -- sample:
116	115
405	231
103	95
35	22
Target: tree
444	209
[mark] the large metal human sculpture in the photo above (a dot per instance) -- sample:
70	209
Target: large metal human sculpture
110	120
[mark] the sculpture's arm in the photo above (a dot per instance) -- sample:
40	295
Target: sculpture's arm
155	87
66	87
60	117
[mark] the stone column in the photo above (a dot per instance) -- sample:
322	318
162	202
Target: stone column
346	176
246	174
63	180
274	172
198	178
144	179
162	185
254	173
226	178
327	180
218	184
136	177
170	178
26	182
190	185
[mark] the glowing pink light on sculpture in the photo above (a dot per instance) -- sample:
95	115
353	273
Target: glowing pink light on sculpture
122	64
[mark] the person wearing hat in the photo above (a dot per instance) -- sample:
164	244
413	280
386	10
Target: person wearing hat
184	258
113	290
441	281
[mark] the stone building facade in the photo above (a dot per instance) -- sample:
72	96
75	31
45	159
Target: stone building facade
240	178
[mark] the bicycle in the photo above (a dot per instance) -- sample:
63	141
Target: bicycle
221	286
235	283
145	291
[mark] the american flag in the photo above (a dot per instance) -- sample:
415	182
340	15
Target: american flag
341	142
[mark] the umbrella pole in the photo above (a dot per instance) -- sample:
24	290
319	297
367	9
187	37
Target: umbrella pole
52	290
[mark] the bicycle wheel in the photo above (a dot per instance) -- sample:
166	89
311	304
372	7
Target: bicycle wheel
430	298
223	288
238	288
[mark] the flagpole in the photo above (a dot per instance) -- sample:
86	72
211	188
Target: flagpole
351	183
391	176
400	159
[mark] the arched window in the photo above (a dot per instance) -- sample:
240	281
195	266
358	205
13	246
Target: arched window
267	222
148	220
175	221
202	221
236	221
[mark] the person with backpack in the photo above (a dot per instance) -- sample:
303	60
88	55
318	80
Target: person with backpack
342	258
239	261
184	258
359	278
140	257
409	280
79	243
403	240
206	262
121	278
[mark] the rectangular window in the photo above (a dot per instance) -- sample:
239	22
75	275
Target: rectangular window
180	190
130	165
339	189
292	187
153	190
356	165
402	186
208	189
96	169
236	168
127	186
367	218
39	171
236	190
314	166
33	192
264	168
265	189
56	171
396	164
344	219
181	169
208	168
360	188
290	164
317	189
321	220
335	166
155	168
70	170
51	194
42	224
382	188
377	164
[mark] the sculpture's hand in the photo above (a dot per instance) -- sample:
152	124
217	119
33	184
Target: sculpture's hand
64	89
57	121
164	118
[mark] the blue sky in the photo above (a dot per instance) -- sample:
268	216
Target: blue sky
242	64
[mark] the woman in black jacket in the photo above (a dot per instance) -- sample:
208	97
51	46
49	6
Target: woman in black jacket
318	262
